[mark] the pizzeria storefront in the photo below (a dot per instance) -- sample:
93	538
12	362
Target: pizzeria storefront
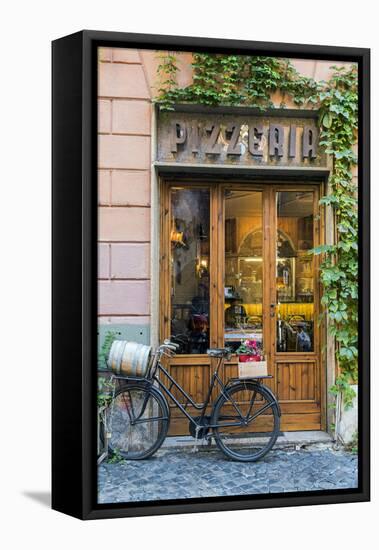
238	200
207	219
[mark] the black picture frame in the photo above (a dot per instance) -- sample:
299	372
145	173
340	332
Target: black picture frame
74	205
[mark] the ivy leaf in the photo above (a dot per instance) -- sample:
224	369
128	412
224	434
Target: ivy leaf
338	316
327	120
322	248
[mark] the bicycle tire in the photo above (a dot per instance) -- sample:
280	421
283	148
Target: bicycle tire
132	446
245	443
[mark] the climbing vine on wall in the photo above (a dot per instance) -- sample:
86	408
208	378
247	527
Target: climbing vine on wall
232	80
251	81
338	103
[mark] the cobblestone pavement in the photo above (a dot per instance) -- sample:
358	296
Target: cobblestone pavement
175	474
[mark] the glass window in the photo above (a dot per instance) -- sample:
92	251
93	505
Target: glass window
243	267
190	230
295	272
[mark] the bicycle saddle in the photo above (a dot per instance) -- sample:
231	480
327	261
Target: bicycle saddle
219	352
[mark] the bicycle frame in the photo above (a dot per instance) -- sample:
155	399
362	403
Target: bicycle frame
158	383
197	421
153	375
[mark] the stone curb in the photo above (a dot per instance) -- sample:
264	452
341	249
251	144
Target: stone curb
287	441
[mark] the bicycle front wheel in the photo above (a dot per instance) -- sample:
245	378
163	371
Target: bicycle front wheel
247	421
138	421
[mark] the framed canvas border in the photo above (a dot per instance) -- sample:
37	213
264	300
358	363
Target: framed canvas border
74	270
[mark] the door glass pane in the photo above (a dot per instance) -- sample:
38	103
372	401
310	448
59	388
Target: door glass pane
243	267
294	272
189	235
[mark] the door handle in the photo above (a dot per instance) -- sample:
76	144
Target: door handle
272	310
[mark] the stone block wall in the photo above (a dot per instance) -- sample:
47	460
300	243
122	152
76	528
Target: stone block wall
124	133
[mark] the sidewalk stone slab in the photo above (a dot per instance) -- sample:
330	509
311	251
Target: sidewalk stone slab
176	474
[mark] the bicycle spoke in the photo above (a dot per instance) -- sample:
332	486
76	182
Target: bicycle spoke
128	409
251	404
144	404
259	412
150	419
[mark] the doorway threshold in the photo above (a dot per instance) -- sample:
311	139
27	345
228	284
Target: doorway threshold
288	440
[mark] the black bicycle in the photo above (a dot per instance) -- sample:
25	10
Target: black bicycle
244	420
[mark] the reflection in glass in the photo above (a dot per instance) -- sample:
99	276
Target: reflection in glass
190	229
294	271
243	267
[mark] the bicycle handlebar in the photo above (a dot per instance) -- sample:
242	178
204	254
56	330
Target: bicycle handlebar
170	344
167	345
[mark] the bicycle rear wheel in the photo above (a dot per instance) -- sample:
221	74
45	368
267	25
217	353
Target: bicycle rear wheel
247	419
139	419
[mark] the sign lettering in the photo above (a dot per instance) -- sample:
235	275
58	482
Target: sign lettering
239	139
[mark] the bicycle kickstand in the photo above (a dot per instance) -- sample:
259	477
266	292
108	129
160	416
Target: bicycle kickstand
195	445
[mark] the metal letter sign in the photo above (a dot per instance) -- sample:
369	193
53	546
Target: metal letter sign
276	140
245	140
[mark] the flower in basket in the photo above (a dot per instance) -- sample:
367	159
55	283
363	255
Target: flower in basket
248	351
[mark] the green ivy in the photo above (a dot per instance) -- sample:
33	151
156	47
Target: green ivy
103	354
338	106
167	70
251	81
104	386
104	391
232	80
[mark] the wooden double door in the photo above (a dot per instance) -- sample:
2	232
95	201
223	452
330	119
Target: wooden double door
235	265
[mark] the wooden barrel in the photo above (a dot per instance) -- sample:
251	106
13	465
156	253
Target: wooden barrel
129	358
115	355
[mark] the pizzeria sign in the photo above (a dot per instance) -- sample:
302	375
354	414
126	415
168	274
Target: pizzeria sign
191	138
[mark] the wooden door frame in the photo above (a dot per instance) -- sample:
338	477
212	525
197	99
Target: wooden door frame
319	330
165	251
217	269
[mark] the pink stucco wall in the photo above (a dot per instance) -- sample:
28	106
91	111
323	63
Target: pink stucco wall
124	187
